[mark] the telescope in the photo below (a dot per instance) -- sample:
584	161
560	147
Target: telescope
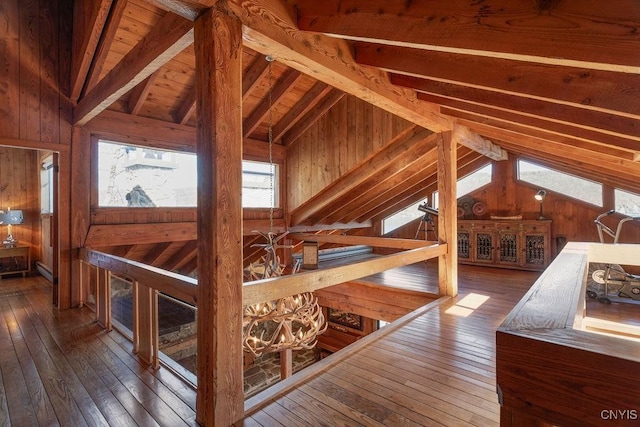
426	209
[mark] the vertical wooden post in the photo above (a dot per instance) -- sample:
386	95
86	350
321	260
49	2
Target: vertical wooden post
286	363
218	49
145	323
103	298
447	215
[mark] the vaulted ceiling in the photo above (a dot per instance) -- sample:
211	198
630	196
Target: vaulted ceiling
555	81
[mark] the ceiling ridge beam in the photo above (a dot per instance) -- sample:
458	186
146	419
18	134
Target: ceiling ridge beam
168	38
365	170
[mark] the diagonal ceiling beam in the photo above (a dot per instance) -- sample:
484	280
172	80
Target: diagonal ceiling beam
268	28
187	107
577	34
332	97
258	115
104	46
256	72
302	107
608	91
87	31
168	38
448	93
189	9
414	140
139	94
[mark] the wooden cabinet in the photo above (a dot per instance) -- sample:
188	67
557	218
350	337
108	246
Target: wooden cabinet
505	243
15	259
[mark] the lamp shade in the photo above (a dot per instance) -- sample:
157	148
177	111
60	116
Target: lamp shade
540	195
12	217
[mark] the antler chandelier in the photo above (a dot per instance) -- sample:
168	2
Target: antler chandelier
292	322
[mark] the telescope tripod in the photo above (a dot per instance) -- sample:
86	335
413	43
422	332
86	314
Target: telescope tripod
426	225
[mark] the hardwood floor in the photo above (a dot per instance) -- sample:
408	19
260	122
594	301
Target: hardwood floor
61	368
438	369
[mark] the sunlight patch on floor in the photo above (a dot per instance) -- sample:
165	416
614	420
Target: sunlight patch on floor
467	305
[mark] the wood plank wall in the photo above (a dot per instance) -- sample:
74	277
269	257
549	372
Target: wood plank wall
338	141
36	57
20	189
572	220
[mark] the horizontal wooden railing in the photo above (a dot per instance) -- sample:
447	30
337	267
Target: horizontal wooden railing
148	281
549	367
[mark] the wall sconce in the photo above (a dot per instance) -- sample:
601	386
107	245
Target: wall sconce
11	218
540	195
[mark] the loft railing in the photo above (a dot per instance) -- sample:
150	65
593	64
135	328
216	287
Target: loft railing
147	282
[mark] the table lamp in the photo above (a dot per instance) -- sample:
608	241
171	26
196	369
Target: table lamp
11	218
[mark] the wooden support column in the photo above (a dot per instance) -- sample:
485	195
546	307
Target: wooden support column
447	215
218	49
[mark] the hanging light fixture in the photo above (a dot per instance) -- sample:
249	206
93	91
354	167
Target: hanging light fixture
290	323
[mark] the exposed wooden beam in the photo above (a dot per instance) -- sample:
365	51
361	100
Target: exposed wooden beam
138	234
187	251
330	99
32	145
256	72
447	217
505	131
412	138
258	115
360	198
89	20
187	107
377	242
189	9
139	94
465	137
464	110
155	253
270	29
167	135
218	52
598	90
302	107
104	46
168	38
271	289
577	35
448	94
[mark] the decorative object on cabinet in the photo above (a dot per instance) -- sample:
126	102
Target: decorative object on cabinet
540	195
11	218
507	243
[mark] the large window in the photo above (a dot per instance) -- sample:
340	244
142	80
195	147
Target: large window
144	177
465	185
627	203
560	182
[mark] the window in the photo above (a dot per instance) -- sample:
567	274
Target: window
46	186
259	185
145	177
560	182
466	185
627	203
